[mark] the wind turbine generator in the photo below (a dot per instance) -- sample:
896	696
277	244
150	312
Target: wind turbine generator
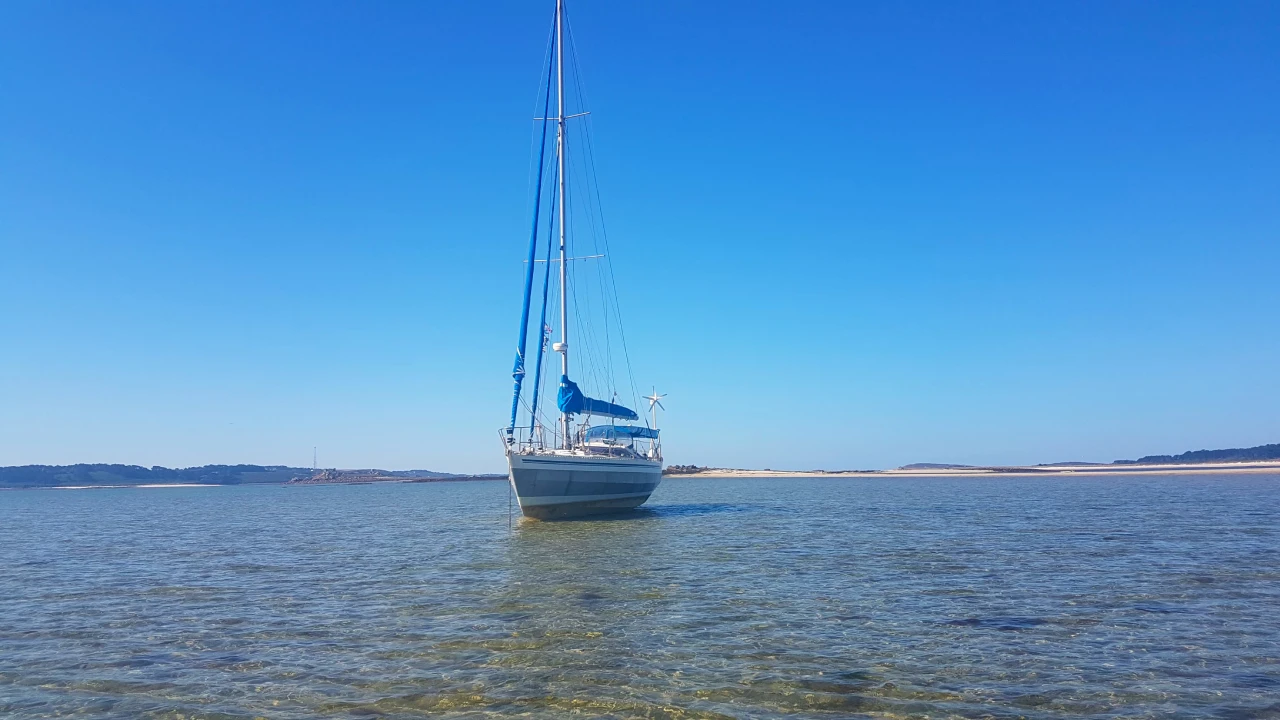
655	402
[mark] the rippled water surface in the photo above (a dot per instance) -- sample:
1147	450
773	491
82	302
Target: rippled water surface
1006	597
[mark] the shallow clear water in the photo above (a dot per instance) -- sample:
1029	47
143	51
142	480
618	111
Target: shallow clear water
995	597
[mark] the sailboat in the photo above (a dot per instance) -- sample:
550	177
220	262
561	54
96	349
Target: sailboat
583	462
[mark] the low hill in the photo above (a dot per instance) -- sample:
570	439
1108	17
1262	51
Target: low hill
29	476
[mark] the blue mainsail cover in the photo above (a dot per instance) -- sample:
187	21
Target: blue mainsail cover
621	432
571	400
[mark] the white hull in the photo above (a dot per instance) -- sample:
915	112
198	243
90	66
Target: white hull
553	485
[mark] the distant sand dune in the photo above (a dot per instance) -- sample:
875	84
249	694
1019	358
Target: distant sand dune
1028	470
151	485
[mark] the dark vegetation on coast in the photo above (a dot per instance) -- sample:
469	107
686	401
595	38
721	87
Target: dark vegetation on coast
1260	453
684	470
28	476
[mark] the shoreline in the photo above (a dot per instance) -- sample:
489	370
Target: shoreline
994	471
1244	468
109	487
361	481
383	479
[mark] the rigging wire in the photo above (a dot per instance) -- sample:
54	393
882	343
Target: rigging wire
538	150
584	329
596	359
546	283
594	209
542	91
573	54
519	370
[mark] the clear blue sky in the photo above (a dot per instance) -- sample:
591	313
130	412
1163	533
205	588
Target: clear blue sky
849	235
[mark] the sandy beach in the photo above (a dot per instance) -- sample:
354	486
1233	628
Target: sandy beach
1029	470
105	487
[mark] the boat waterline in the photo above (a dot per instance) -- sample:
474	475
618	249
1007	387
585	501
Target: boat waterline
561	486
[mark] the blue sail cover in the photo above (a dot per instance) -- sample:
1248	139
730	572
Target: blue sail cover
621	432
517	372
571	400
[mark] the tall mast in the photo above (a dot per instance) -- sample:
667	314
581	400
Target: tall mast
560	149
